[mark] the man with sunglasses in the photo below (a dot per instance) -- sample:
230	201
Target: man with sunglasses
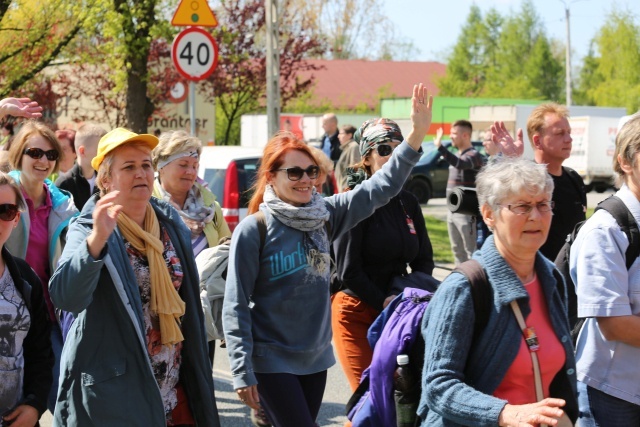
463	169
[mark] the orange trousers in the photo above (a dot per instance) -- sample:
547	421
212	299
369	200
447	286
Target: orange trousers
350	320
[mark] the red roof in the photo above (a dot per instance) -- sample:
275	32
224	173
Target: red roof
347	83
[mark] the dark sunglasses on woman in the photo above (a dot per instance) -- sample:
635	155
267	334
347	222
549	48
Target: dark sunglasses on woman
296	173
384	150
8	211
37	153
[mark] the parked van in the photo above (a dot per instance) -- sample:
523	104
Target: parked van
230	171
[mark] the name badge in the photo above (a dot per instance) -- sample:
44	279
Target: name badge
412	228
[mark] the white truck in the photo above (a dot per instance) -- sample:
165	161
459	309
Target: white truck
594	142
593	130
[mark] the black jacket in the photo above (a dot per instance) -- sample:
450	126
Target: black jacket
379	248
335	146
38	356
77	185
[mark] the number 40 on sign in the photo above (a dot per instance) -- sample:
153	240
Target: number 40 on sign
195	54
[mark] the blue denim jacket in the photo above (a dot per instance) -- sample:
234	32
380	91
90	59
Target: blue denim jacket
460	376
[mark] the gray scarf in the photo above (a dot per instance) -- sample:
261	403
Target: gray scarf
195	214
311	219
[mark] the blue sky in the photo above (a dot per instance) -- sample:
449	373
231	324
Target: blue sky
434	25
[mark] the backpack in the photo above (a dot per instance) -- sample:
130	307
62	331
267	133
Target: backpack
616	207
397	331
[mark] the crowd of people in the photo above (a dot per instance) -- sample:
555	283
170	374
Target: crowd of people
108	240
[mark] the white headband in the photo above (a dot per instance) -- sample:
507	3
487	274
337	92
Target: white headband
176	157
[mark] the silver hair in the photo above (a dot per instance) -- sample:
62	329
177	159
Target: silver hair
508	176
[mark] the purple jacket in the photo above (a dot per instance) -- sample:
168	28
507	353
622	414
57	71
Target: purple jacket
392	333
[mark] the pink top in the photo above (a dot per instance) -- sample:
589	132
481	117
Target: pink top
517	386
38	247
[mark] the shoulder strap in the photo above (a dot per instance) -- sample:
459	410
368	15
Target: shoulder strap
532	341
480	293
616	207
578	182
262	227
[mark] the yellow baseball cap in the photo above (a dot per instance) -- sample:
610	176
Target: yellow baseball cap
116	138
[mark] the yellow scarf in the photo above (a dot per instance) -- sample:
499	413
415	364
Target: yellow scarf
165	301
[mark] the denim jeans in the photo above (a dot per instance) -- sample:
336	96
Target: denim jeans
606	410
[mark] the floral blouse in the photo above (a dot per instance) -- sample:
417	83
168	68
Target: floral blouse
165	359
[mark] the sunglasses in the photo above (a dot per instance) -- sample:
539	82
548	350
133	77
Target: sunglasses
37	153
384	150
296	173
8	211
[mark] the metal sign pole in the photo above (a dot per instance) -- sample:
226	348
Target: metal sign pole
192	106
273	68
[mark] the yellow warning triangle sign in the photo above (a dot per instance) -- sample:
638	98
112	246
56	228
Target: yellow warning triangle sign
194	12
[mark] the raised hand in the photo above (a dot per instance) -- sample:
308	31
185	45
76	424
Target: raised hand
20	107
421	111
105	216
547	411
505	142
438	140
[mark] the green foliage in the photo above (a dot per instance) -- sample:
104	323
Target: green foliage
611	72
504	57
33	34
439	236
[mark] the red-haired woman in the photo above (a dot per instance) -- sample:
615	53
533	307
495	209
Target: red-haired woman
276	314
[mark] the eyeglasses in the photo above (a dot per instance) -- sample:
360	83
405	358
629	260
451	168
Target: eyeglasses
384	150
296	173
8	211
525	208
37	153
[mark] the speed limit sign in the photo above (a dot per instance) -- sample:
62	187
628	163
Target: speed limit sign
195	54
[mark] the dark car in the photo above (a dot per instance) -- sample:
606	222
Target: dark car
429	176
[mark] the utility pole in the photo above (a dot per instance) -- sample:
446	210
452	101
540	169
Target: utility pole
273	68
568	55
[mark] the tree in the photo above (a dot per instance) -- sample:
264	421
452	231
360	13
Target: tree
353	29
468	63
611	74
80	79
525	66
136	18
33	34
239	83
505	57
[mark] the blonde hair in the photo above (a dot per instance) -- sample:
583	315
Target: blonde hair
29	129
173	142
88	132
627	146
537	118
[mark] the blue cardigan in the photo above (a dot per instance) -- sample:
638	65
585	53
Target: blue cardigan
459	378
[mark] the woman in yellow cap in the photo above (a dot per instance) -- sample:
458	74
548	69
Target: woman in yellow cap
136	354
